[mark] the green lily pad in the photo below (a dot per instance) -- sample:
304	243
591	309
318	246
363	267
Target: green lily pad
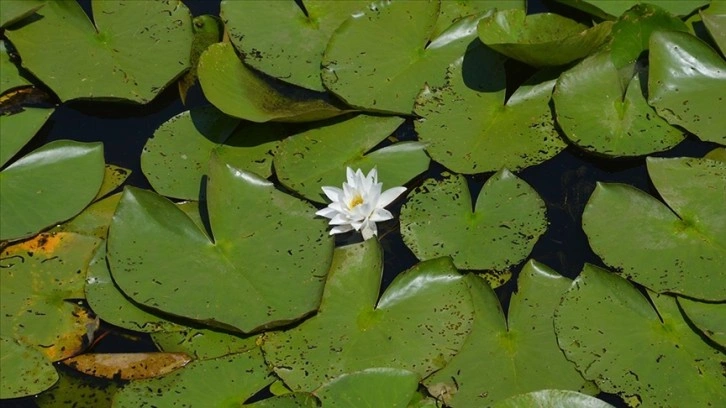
94	220
74	390
472	106
387	78
9	75
110	304
687	84
15	10
418	324
203	344
41	278
18	129
279	52
373	388
552	399
123	41
49	185
233	378
633	29
265	266
610	330
521	352
599	115
714	18
318	157
710	318
544	39
176	158
681	249
290	400
453	11
509	217
24	370
237	91
609	9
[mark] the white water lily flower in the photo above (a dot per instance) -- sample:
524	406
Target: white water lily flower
360	204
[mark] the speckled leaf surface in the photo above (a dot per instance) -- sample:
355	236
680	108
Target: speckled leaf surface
269	33
18	129
687	84
233	378
113	178
75	390
240	92
385	73
552	399
681	249
176	158
49	185
608	9
128	366
468	127
543	39
370	388
24	370
123	41
318	157
203	344
600	114
709	318
40	279
265	266
9	75
418	324
508	218
662	363
521	352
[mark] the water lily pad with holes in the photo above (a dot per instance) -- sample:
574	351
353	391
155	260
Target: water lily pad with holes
544	39
304	162
521	351
508	218
601	115
264	265
137	48
609	9
13	11
49	185
687	84
41	279
714	18
681	249
610	330
453	11
233	378
176	158
238	91
18	129
386	73
370	388
9	75
203	344
268	34
710	318
24	370
552	399
469	127
418	324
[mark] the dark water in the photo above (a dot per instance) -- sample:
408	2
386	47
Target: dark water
564	182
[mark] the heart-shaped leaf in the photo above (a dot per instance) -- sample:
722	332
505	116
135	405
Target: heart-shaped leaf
687	84
418	324
599	115
367	75
521	352
681	249
203	344
608	9
233	378
265	265
124	40
544	39
371	388
552	399
601	310
24	370
49	185
318	157
508	218
176	158
18	129
710	318
9	75
471	105
279	52
238	91
41	279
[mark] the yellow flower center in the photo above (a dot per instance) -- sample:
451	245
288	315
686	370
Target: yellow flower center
356	201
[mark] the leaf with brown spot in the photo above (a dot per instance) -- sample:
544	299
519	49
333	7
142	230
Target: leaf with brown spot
128	366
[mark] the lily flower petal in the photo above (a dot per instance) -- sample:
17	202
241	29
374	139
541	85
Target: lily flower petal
389	195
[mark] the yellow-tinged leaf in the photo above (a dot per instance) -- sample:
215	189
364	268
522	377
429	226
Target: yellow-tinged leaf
128	366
